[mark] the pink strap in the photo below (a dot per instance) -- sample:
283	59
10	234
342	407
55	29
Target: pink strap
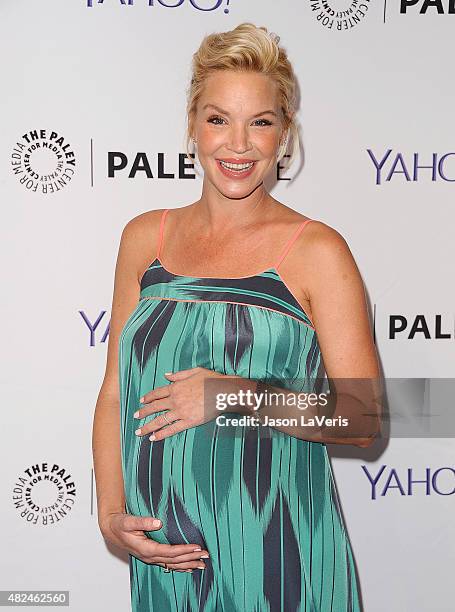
291	242
160	237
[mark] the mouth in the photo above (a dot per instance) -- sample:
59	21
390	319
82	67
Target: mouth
236	168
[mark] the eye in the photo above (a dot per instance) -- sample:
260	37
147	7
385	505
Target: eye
266	121
215	117
217	120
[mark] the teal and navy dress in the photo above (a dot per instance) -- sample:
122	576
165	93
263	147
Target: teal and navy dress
262	503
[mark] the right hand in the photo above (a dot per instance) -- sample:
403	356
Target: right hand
127	532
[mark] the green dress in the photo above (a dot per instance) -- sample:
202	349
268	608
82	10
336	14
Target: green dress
262	502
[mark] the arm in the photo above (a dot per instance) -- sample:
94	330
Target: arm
339	311
106	421
116	525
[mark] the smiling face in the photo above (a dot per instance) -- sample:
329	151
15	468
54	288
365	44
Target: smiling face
237	126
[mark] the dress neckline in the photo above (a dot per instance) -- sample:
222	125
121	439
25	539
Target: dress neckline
271	269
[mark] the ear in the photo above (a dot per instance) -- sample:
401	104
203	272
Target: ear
191	125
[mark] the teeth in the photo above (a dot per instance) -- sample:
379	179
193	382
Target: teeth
236	166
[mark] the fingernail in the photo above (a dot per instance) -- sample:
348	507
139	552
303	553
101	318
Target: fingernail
167	373
152	437
136	414
188	570
196	549
141	399
205	556
201	566
156	523
138	431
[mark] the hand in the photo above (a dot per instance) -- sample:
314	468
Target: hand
127	532
183	400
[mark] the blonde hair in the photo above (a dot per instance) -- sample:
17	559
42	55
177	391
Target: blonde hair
246	48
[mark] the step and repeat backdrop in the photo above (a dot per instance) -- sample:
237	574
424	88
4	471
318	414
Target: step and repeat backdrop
92	134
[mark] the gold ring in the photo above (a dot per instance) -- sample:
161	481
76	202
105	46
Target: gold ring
166	419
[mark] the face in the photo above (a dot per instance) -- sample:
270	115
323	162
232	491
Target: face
237	126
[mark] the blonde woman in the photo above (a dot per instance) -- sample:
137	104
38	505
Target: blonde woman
240	289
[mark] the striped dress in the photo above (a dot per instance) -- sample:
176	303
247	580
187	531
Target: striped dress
262	503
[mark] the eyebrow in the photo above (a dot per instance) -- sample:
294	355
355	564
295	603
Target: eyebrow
220	110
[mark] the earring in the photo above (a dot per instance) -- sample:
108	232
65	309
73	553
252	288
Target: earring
283	146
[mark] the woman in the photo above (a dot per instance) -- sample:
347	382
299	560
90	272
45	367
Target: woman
239	288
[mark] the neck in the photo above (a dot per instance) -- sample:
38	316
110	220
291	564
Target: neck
230	213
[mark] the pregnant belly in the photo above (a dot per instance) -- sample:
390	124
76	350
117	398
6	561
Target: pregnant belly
209	479
185	480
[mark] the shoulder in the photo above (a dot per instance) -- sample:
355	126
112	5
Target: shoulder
321	242
141	226
320	259
139	242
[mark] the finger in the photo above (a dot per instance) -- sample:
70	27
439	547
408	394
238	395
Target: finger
132	522
186	566
152	408
170	430
182	374
175	570
157	393
170	551
152	551
158	423
182	558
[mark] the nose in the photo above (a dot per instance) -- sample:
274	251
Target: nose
239	141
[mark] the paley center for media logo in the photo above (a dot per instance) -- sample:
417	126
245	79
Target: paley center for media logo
43	161
419	326
161	166
200	5
44	494
339	16
342	15
422	7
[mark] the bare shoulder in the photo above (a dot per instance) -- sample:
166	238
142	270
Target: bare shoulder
141	227
325	269
320	246
318	261
139	240
137	244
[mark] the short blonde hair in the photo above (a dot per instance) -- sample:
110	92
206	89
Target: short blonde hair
246	48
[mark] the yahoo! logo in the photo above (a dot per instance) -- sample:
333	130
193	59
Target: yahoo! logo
200	5
387	480
391	164
93	325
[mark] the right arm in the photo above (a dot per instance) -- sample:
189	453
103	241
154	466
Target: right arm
106	422
126	530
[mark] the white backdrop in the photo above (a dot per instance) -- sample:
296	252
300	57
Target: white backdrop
93	79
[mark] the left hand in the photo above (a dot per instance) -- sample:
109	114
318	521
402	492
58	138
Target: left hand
183	401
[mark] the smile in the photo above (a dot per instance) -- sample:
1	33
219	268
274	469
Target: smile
236	168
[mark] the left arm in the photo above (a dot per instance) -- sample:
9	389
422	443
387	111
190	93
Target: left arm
340	316
339	311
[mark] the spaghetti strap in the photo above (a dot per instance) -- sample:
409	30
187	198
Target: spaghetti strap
291	242
160	237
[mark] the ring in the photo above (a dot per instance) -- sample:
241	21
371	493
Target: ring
166	568
165	417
